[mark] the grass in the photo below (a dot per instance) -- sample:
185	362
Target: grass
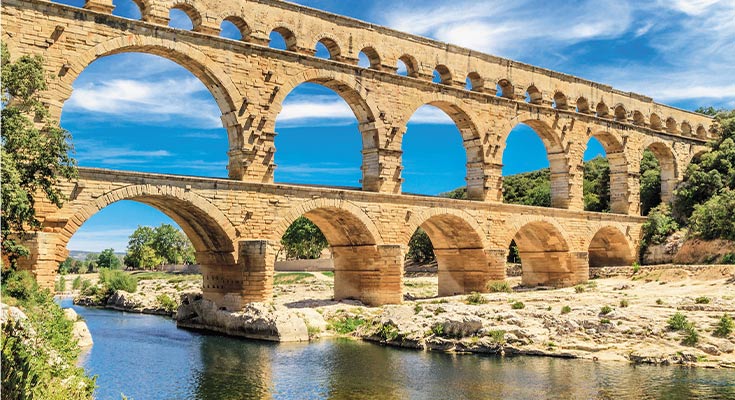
725	326
172	278
566	310
677	322
702	300
497	336
579	289
388	332
691	337
624	303
475	298
329	274
417	308
346	325
499	287
517	305
291	278
167	302
606	310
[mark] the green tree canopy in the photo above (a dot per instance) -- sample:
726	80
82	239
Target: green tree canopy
108	259
35	151
303	240
650	182
150	247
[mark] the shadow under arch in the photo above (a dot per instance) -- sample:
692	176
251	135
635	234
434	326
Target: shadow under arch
610	248
618	163
475	175
214	78
358	253
350	90
545	255
459	247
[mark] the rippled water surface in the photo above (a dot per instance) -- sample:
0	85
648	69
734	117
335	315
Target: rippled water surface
147	357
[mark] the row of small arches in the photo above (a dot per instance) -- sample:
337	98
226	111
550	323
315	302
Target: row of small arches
283	38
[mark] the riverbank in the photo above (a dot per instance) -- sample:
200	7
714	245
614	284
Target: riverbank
623	318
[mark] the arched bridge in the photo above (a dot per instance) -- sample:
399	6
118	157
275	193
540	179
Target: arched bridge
235	224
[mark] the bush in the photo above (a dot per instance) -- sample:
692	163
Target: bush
566	310
606	310
579	289
76	284
728	258
20	285
702	300
475	298
115	280
624	303
691	337
517	305
715	219
167	302
636	267
346	325
725	326
497	336
659	301
60	284
659	225
499	286
677	322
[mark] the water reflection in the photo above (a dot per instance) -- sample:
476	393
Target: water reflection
146	357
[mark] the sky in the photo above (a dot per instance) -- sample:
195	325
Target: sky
141	112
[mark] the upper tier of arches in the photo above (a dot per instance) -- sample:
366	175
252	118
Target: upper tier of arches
302	28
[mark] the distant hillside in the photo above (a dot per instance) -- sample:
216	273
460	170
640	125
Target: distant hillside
81	255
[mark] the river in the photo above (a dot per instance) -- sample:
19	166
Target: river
147	357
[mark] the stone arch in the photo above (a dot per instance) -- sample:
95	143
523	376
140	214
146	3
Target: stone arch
459	244
534	95
618	162
471	139
701	132
412	65
669	169
583	106
686	128
477	83
288	35
373	56
218	82
506	89
445	75
208	228
638	118
188	8
343	223
671	125
241	25
560	101
621	115
545	255
602	110
335	52
655	122
610	248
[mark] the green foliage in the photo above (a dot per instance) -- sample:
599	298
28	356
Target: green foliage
292	278
499	286
702	300
624	303
659	302
60	285
437	330
150	247
691	336
728	258
387	332
497	336
67	266
417	308
517	305
114	280
303	240
579	289
329	274
725	326
108	259
346	325
566	310
606	310
40	365
636	267
475	298
596	185
657	227
513	255
677	322
530	188
76	284
167	302
459	194
650	182
35	153
420	249
715	219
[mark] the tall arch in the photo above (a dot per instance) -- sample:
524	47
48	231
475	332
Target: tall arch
475	173
619	192
545	255
458	243
349	89
610	248
667	162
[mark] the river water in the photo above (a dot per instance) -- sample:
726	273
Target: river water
147	357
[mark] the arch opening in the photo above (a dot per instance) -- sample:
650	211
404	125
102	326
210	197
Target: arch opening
602	110
328	48
655	122
235	28
369	58
131	9
282	38
610	248
407	66
621	115
475	82
671	125
184	16
596	184
545	257
658	176
442	75
533	95
560	101
583	106
505	89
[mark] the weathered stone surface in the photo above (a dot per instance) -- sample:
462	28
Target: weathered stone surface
255	321
80	331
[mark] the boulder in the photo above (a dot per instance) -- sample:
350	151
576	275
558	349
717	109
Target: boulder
79	331
460	325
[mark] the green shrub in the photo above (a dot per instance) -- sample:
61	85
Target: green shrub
499	286
115	280
517	305
566	310
76	284
439	310
702	300
346	325
167	302
388	332
604	321
417	308
636	267
714	219
475	298
20	285
691	337
659	225
728	258
659	301
624	303
677	322
725	326
606	310
60	285
437	330
497	336
579	289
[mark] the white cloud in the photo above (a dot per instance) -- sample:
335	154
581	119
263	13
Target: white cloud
98	240
88	151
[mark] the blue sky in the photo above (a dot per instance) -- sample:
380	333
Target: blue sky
144	113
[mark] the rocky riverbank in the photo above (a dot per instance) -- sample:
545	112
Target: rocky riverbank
623	318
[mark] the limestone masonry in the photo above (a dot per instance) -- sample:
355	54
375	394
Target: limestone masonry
236	224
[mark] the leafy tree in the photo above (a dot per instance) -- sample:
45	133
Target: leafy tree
108	259
650	182
150	247
91	261
303	240
65	267
420	249
715	219
659	225
35	151
596	185
530	188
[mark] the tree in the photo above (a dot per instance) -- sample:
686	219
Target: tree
150	247
420	248
303	240
108	259
596	185
650	190
35	152
66	266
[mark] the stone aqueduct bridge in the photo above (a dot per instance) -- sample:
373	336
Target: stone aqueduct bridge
236	224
